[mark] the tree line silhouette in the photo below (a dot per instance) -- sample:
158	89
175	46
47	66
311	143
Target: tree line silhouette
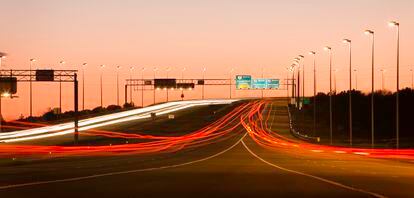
384	116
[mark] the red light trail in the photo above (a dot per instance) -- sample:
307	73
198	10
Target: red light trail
219	130
256	125
249	115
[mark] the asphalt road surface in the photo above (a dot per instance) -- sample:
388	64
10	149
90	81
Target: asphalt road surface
232	166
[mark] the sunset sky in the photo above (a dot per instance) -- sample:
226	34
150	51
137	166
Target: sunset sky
246	35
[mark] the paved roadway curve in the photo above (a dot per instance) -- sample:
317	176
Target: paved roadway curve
233	167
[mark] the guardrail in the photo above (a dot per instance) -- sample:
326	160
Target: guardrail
297	133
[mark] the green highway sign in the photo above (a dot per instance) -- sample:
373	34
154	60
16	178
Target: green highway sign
243	82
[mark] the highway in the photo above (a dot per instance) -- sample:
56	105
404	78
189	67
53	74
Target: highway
249	152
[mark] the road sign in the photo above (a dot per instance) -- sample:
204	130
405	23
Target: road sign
8	85
306	101
260	83
200	82
165	83
147	82
265	83
185	86
45	75
273	83
243	82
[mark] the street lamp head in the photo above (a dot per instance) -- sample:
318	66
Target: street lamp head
84	64
62	62
102	66
204	69
184	69
5	95
369	32
118	67
295	63
393	23
301	56
346	41
296	59
32	60
327	48
312	53
2	56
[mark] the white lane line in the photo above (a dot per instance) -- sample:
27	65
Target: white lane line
312	176
120	172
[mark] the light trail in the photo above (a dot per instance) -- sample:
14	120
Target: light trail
136	114
219	130
255	122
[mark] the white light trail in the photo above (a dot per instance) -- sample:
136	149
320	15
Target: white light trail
136	114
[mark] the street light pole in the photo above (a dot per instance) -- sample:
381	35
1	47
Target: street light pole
334	80
231	72
83	85
382	79
117	84
293	81
202	91
397	106
314	91
262	78
303	77
1	116
1	58
287	84
296	63
30	87
142	87
131	69
356	79
349	42
370	32
155	69
182	79
329	49
412	78
60	88
168	70
102	66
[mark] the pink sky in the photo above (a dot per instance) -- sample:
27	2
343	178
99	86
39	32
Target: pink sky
217	34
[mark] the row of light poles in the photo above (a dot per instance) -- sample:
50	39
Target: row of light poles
101	67
370	33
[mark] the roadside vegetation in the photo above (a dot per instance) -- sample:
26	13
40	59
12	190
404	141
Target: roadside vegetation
384	117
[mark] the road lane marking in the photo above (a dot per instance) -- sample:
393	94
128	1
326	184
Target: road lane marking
312	176
120	172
